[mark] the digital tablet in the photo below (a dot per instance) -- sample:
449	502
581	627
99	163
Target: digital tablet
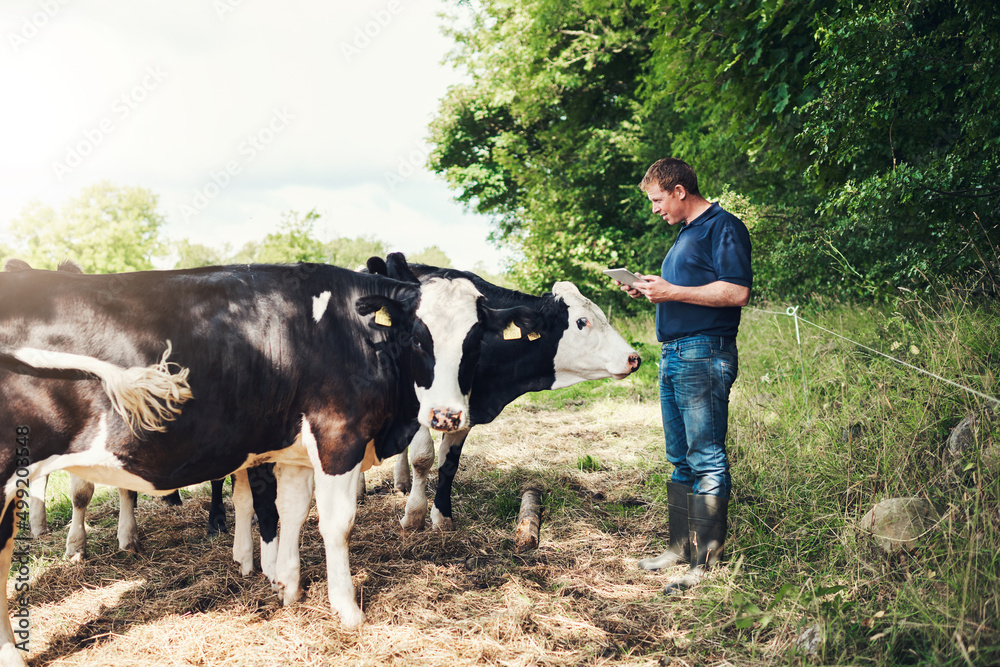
624	276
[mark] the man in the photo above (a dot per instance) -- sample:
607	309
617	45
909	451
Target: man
705	280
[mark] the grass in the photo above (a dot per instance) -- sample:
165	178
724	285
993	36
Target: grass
805	470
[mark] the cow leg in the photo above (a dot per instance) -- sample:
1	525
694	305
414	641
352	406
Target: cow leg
243	507
422	447
451	452
264	488
401	473
9	653
128	531
362	488
335	502
36	506
81	491
217	510
295	489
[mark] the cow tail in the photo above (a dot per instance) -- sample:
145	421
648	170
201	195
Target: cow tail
146	397
149	396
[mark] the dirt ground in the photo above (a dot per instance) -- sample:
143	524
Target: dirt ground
431	598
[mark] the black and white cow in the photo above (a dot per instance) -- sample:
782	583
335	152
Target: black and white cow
157	380
571	342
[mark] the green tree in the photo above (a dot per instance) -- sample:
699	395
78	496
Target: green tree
354	253
193	255
106	229
432	256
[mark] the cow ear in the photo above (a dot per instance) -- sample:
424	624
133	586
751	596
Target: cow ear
511	323
69	266
14	264
377	266
388	312
399	269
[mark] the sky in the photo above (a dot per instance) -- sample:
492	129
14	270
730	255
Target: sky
234	112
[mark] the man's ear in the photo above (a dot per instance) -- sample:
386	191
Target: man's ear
399	269
377	266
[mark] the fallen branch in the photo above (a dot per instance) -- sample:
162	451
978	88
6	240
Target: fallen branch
529	521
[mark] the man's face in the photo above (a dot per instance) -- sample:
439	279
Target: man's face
668	205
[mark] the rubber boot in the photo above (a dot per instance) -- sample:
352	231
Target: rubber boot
707	522
677	511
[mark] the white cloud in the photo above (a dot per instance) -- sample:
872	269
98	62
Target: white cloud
360	81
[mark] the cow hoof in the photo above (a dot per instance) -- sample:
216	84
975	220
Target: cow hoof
41	532
411	524
132	547
246	569
445	524
76	558
351	619
217	526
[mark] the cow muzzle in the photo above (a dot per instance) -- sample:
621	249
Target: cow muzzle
445	420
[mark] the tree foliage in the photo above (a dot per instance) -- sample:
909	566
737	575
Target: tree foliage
859	136
106	229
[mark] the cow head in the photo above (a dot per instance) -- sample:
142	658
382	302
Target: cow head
589	349
445	339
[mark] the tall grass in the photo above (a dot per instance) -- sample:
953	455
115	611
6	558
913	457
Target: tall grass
809	459
808	463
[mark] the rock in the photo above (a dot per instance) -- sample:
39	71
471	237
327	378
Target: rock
853	432
898	523
811	640
977	429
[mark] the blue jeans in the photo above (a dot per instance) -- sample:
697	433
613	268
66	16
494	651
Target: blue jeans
696	374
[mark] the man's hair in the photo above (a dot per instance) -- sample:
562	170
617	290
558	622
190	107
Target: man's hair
668	172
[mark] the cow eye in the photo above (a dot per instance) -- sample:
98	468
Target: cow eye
583	322
417	345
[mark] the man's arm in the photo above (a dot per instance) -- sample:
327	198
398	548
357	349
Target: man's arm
718	294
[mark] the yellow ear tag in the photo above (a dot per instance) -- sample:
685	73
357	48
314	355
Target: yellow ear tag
512	332
534	335
382	317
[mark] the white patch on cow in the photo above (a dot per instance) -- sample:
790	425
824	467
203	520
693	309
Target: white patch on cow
242	539
268	557
319	305
337	506
448	309
592	352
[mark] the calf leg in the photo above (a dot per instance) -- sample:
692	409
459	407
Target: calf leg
337	506
36	506
128	531
422	447
264	488
451	453
242	539
401	472
81	491
217	510
295	489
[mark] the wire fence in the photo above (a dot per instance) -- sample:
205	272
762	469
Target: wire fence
792	311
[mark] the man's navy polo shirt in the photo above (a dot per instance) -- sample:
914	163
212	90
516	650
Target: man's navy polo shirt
714	246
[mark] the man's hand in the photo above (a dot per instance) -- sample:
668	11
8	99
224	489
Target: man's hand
630	290
719	294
